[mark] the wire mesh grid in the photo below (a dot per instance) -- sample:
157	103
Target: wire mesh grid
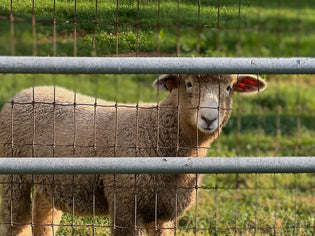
278	122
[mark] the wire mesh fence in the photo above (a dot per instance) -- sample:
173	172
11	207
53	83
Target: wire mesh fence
277	122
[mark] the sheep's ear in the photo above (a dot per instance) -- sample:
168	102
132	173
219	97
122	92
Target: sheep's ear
166	82
249	84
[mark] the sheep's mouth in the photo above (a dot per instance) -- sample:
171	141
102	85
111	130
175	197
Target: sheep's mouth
207	129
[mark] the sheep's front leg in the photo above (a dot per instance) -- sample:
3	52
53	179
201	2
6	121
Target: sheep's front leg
122	214
123	220
161	229
46	218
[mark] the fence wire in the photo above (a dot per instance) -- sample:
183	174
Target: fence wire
277	122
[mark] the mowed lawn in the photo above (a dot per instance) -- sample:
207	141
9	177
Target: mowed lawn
278	122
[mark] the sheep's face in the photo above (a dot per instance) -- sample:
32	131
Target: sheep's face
209	97
205	101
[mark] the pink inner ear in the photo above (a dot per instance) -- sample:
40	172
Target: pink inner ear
246	85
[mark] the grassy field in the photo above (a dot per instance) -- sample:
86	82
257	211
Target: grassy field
278	122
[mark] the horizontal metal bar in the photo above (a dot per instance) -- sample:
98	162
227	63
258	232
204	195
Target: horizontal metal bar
155	165
155	65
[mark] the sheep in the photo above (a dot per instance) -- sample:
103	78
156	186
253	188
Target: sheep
57	125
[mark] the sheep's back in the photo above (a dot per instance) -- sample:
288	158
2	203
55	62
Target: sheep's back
57	122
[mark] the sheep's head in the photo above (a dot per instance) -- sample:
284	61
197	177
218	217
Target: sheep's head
206	100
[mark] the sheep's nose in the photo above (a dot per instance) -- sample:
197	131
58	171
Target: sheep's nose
207	121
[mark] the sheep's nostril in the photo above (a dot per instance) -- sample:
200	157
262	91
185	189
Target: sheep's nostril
207	121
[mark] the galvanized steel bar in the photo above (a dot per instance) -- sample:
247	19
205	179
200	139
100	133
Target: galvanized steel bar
155	165
155	65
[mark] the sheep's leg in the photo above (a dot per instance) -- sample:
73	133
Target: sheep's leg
15	206
122	215
161	229
46	218
123	222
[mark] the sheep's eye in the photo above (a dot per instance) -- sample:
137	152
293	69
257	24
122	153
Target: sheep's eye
228	89
189	84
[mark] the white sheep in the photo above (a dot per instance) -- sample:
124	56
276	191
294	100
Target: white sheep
184	124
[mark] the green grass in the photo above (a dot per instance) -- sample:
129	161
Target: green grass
275	30
281	204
